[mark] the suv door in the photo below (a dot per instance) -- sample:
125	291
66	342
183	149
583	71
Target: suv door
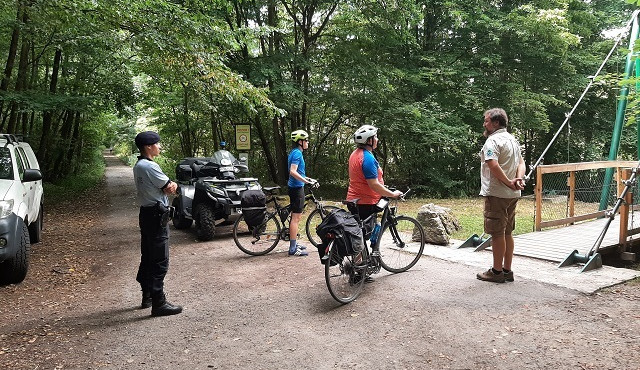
27	188
38	191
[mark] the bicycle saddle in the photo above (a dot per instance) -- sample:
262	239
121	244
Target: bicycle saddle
351	202
270	189
352	205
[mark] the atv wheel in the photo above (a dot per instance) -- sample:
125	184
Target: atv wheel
205	222
14	270
180	221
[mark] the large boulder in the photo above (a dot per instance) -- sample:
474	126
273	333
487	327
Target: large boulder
438	223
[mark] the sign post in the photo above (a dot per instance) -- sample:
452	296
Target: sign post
243	142
243	137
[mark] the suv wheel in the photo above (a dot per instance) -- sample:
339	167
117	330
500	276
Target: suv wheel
180	221
205	222
35	229
14	270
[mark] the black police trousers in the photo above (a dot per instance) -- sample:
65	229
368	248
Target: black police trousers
154	250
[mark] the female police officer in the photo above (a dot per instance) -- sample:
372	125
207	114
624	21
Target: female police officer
152	187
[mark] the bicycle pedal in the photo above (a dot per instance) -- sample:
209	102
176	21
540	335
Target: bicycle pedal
375	253
369	279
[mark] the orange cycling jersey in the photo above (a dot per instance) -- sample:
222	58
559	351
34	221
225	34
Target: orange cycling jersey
363	166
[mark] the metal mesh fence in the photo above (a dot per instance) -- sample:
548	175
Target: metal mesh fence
587	192
634	217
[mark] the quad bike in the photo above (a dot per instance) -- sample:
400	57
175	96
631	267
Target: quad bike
210	192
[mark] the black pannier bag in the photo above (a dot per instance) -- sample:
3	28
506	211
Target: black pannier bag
348	235
253	203
183	172
206	169
190	168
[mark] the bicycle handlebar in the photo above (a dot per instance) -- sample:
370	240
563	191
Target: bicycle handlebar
401	197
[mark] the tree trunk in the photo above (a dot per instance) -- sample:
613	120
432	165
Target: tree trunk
5	116
188	135
21	81
63	145
27	118
281	151
32	120
214	128
48	114
72	153
11	57
266	148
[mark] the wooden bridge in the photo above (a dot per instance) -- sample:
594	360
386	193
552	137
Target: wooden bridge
582	222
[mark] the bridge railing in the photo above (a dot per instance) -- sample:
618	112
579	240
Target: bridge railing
569	193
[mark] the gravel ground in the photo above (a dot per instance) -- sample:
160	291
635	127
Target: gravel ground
78	308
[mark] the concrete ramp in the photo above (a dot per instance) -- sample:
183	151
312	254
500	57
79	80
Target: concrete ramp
535	269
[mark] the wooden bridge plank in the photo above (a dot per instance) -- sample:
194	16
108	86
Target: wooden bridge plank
556	244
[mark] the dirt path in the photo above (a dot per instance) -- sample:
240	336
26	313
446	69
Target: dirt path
78	308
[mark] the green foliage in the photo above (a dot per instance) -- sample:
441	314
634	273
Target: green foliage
88	178
422	71
167	165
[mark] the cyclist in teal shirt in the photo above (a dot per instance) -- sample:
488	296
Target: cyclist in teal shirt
297	180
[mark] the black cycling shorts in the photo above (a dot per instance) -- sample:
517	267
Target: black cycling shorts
296	197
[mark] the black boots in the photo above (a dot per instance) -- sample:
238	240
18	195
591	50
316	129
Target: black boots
161	307
146	300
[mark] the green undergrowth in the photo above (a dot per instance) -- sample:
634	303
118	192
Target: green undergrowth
469	212
88	177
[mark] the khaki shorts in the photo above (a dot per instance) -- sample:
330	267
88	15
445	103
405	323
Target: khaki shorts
499	215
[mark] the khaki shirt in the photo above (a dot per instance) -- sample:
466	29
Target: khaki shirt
504	148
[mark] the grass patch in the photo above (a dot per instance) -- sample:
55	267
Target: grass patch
469	211
89	176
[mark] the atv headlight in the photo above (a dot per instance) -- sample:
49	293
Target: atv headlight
6	206
217	191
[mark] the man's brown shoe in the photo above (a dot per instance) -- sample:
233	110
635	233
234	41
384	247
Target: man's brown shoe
490	276
508	276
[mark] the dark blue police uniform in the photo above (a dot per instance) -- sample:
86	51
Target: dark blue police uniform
154	242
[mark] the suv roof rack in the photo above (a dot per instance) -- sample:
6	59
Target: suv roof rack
11	138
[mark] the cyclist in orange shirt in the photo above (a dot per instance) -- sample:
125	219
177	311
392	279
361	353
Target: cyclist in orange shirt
365	174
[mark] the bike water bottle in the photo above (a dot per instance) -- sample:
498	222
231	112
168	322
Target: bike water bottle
374	234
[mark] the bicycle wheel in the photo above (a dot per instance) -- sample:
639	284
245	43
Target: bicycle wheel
258	240
401	243
314	219
345	275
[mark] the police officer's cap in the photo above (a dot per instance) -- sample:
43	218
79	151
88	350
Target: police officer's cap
147	138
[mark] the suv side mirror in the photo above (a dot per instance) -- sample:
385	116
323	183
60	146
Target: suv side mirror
31	175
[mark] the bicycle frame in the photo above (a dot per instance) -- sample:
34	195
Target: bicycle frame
280	208
345	274
387	218
285	218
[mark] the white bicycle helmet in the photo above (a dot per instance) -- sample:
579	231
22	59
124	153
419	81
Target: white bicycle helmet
364	133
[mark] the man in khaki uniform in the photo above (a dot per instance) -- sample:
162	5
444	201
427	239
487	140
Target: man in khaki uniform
501	176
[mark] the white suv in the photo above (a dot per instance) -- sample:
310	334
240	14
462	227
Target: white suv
21	199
